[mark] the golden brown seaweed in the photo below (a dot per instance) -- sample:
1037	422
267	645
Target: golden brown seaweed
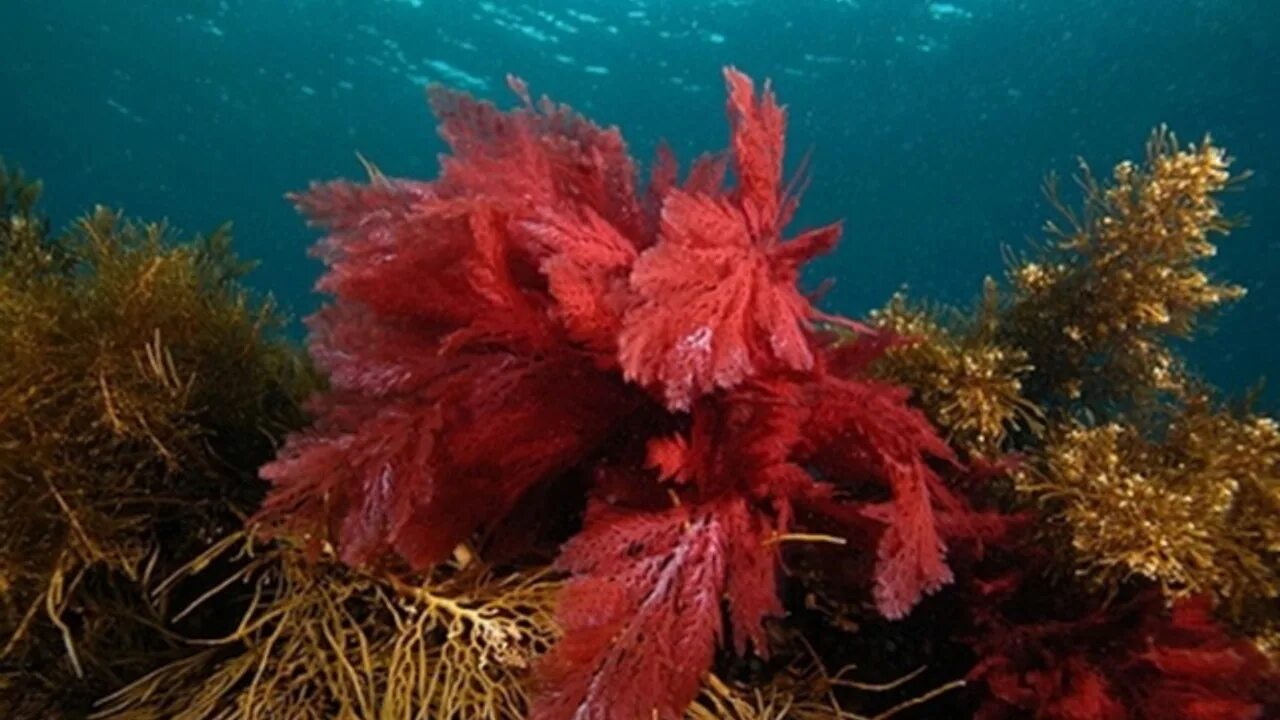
321	640
1121	277
140	387
967	381
1194	511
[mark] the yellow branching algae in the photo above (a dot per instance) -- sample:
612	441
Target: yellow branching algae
1145	477
803	691
321	640
1138	474
1087	321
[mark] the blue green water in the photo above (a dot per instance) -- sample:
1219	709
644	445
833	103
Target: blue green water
931	124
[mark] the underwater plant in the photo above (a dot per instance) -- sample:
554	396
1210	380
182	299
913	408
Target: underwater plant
585	450
1084	330
140	387
321	640
1129	659
530	315
803	691
966	380
1154	509
1096	309
1136	474
1194	511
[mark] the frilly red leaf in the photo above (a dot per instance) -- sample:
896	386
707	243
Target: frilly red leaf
417	473
672	458
539	156
642	613
911	552
751	588
868	429
586	262
712	306
716	300
758	131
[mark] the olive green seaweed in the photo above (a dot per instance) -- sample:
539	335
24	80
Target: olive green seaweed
141	385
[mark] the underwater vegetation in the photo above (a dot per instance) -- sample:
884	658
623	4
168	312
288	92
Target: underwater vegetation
140	386
582	448
964	377
706	418
321	640
1131	457
1193	511
1122	276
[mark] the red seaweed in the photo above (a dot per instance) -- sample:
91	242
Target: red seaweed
495	329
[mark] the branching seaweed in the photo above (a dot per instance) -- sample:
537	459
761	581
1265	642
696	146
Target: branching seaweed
140	387
1121	277
1196	511
322	640
968	382
804	691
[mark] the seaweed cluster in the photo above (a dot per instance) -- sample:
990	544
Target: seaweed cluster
652	346
967	378
584	450
1138	480
140	387
1122	275
321	640
1148	475
1194	511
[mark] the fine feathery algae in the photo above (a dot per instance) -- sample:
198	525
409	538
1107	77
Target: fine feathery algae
140	386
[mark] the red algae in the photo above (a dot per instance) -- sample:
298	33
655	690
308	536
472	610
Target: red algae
494	328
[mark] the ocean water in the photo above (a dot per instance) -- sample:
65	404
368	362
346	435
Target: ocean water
931	124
